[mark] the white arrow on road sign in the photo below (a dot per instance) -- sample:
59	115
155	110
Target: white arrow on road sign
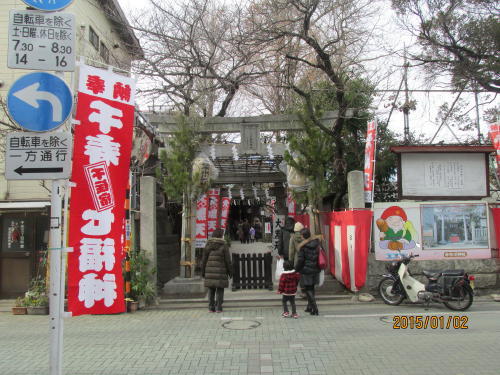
39	101
31	96
38	156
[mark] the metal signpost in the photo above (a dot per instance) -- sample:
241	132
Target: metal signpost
38	156
41	102
41	40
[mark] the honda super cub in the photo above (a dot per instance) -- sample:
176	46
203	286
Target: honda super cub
451	287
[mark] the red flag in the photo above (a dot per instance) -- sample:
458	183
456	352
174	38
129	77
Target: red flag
101	160
201	221
495	140
213	210
371	137
226	202
291	205
496	220
349	244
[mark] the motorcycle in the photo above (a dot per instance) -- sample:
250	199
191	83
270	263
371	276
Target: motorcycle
451	287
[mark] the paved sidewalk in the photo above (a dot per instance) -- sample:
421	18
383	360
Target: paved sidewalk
347	340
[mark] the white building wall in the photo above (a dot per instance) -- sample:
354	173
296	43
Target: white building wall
89	14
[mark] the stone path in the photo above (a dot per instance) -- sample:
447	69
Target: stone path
356	340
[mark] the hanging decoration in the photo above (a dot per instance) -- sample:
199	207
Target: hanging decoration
212	152
242	194
255	194
266	192
235	153
229	194
270	151
204	172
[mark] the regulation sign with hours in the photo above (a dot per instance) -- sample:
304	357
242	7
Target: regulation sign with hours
41	40
38	156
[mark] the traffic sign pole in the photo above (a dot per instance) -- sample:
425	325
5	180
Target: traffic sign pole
41	102
56	296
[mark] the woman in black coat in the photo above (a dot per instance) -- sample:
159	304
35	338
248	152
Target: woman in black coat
307	265
216	269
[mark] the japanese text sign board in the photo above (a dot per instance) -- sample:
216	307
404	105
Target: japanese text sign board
41	41
39	101
102	149
48	5
38	156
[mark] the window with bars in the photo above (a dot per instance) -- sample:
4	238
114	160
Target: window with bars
104	52
94	38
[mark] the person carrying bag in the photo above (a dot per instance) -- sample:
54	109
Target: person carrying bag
307	265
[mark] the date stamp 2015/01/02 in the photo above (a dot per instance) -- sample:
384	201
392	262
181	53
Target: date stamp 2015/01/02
430	321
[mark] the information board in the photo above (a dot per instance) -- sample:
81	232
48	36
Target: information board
41	41
443	175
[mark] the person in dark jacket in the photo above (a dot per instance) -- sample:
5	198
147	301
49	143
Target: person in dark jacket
284	239
246	231
216	269
307	265
258	230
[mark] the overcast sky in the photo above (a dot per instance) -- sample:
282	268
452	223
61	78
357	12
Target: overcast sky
422	121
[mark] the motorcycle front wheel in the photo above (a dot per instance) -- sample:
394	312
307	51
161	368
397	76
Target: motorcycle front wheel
385	290
462	297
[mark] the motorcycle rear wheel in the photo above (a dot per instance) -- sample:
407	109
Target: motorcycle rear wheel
384	289
463	297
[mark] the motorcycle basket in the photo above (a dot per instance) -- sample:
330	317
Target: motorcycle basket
449	279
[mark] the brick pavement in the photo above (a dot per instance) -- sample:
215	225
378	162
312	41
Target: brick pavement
194	342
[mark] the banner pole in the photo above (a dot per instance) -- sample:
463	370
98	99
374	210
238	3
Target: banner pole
55	252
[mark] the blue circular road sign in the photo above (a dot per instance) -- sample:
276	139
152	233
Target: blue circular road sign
39	101
49	5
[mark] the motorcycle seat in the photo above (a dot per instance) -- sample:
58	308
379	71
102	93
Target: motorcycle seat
434	274
431	274
453	273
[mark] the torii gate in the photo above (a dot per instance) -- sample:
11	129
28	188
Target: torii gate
257	162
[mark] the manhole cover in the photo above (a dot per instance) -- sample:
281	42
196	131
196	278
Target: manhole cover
241	324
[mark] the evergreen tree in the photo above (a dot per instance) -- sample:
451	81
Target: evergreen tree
183	146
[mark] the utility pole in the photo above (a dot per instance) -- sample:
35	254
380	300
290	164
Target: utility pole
406	106
477	118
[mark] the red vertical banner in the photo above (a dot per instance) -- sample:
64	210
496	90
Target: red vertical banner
201	233
213	210
101	160
369	169
349	242
291	204
224	215
495	140
496	220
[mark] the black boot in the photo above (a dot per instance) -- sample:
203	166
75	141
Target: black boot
313	308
